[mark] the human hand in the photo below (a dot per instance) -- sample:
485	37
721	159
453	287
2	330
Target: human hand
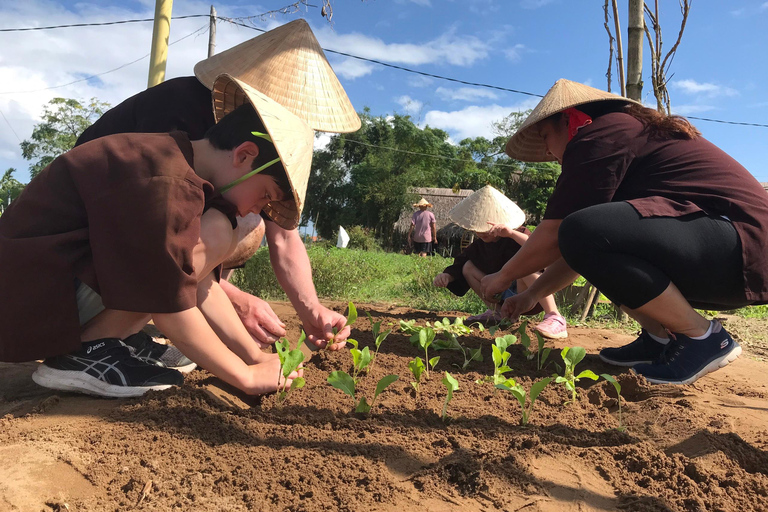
518	304
259	320
492	284
500	230
441	280
319	324
266	376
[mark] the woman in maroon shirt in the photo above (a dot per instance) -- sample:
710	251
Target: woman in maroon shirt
654	215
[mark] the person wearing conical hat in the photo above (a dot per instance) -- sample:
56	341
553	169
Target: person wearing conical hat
133	227
656	217
498	225
307	87
423	232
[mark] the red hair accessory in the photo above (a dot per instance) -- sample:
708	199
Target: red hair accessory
576	119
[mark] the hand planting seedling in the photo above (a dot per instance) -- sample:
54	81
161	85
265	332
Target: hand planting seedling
378	337
451	384
518	392
617	387
417	368
289	362
344	382
572	357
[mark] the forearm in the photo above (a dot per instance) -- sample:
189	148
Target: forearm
191	333
292	268
557	276
539	251
518	237
221	316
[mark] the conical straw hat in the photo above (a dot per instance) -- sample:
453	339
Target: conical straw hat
484	206
288	65
292	138
526	144
422	202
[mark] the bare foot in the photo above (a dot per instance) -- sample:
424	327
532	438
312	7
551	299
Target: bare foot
265	376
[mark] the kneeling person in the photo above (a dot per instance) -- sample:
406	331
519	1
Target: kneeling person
138	224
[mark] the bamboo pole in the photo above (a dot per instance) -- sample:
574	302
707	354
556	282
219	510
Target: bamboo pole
635	33
161	31
212	33
619	49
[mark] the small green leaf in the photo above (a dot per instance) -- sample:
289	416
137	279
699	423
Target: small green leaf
560	380
352	316
574	355
475	354
613	381
519	392
538	387
292	361
353	343
363	406
587	374
365	359
451	385
422	337
417	368
433	362
342	381
383	384
298	383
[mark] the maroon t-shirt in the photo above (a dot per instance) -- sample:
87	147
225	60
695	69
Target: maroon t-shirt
613	160
122	214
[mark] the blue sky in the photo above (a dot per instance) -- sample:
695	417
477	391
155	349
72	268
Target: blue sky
518	44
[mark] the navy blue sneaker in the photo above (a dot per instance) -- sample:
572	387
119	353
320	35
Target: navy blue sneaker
148	350
643	350
685	360
105	367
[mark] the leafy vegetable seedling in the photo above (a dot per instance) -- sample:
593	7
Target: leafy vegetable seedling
542	353
519	392
617	387
426	337
449	340
360	358
378	337
500	357
572	357
451	384
351	318
417	368
289	362
344	382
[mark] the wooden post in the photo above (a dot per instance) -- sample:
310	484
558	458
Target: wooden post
161	31
619	49
212	33
588	305
635	32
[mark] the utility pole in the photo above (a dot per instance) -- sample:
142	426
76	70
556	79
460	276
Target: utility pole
160	34
212	33
635	32
619	49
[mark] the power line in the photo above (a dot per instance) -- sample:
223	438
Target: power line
9	125
236	21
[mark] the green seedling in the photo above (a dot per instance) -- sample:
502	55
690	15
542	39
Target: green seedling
361	359
426	336
344	382
408	327
500	357
351	318
289	362
518	392
572	357
617	387
525	340
451	384
449	340
543	352
505	322
378	337
417	368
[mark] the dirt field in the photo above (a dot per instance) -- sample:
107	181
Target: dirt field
702	447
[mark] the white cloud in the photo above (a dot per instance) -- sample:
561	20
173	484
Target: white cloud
322	139
764	6
688	110
409	105
706	89
352	68
457	50
465	93
534	4
474	121
515	53
420	81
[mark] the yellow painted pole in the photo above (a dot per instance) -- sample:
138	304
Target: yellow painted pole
160	34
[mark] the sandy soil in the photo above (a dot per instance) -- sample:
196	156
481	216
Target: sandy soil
702	447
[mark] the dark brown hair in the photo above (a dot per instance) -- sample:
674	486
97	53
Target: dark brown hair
657	125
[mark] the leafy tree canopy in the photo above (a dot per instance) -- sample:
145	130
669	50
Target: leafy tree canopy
10	188
63	120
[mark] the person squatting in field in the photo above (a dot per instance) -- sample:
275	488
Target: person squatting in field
185	104
497	223
656	217
133	227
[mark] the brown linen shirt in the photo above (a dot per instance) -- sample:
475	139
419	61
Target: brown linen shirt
612	160
122	214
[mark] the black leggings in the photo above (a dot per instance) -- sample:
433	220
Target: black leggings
632	259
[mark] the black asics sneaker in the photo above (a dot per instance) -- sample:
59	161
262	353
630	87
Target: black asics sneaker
104	367
147	349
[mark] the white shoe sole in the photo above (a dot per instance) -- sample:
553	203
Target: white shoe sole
81	382
184	369
718	363
558	336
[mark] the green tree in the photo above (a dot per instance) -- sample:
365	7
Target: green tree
10	188
63	120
